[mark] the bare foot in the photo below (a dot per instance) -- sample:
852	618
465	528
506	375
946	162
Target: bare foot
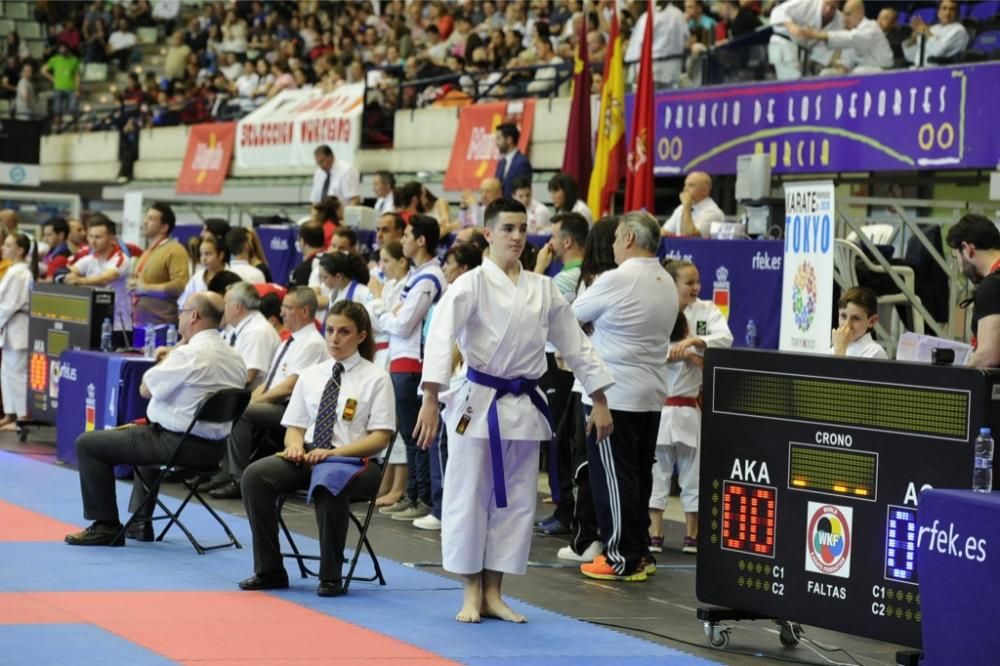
7	420
388	499
499	609
468	614
9	427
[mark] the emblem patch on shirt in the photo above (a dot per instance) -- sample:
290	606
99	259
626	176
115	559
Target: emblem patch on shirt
350	408
463	423
701	327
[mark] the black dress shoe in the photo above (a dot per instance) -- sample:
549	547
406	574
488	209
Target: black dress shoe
140	531
229	490
275	580
330	588
96	535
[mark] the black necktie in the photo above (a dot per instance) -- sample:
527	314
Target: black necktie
326	186
277	364
232	339
326	415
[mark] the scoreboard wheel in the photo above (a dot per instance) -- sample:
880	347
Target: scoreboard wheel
790	634
718	635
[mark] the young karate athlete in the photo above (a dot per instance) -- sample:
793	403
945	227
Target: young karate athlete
500	316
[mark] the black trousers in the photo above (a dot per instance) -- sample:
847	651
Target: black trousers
557	385
266	479
98	453
583	517
621	473
418	462
252	438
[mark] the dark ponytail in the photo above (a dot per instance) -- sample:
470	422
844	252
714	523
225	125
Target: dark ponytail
359	315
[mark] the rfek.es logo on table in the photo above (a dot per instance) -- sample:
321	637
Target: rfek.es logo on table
807	284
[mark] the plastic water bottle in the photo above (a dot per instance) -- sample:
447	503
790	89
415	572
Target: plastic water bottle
751	335
982	474
106	335
171	336
149	343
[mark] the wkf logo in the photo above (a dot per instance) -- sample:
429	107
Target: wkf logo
828	539
720	292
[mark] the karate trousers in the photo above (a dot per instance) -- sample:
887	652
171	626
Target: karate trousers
14	381
621	475
475	534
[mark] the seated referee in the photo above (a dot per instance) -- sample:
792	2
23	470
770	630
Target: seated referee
198	367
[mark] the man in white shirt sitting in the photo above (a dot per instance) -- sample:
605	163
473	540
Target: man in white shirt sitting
106	266
864	48
185	376
334	178
945	39
383	184
238	244
538	213
783	49
249	332
304	349
698	214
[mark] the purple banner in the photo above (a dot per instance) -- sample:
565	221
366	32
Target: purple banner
937	118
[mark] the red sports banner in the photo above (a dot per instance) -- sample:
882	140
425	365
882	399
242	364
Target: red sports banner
206	162
474	154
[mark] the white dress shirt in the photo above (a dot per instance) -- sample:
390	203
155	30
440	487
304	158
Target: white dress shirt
191	373
247	273
305	348
539	218
863	46
670	35
706	216
91	265
256	342
582	208
865	347
345	183
944	41
385	204
366	402
633	309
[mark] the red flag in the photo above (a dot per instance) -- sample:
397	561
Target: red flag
639	167
578	158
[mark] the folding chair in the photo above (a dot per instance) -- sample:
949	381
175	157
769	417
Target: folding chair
362	527
226	406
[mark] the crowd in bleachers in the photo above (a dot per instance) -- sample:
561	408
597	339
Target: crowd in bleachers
224	59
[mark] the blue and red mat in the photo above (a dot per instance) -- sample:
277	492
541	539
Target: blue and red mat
161	603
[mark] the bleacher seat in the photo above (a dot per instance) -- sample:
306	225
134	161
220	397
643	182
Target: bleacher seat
36	48
95	72
29	30
984	11
6	26
147	35
928	14
986	46
16	10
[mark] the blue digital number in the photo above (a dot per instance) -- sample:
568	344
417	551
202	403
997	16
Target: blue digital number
901	545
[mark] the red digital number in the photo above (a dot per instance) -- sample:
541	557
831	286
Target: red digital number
748	518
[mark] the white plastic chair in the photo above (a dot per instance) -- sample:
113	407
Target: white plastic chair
845	256
880	234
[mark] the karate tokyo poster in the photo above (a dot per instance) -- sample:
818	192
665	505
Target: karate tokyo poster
807	283
288	128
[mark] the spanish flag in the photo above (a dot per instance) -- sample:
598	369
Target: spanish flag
609	154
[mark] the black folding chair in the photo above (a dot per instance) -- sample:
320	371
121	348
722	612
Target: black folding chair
361	525
226	406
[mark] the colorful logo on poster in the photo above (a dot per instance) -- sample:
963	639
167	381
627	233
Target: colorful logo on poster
804	296
90	410
720	292
828	539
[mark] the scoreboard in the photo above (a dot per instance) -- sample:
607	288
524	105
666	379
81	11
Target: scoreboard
811	473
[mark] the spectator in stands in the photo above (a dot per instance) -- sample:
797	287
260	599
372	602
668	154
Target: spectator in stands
10	77
383	184
698	214
54	234
858	314
390	227
77	238
470	210
120	44
863	46
344	241
888	19
141	14
212	261
283	79
63	71
106	265
310	244
257	257
176	58
246	86
738	19
238	245
9	220
538	213
69	36
783	49
328	212
334	178
566	196
200	366
15	295
546	78
166	12
512	162
436	208
597	49
162	271
25	99
222	281
248	332
95	46
698	20
945	39
975	247
234	34
270	307
670	36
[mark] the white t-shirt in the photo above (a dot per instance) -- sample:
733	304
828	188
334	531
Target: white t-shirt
865	347
246	272
90	265
706	216
256	342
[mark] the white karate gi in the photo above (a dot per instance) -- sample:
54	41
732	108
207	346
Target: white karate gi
679	437
783	49
501	329
15	296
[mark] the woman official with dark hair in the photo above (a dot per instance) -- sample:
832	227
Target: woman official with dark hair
330	435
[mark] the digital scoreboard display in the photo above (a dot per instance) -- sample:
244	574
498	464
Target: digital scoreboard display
811	473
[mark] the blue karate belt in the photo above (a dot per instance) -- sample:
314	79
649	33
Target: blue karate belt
518	386
334	474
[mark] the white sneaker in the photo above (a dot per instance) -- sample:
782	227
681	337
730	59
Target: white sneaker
428	522
593	550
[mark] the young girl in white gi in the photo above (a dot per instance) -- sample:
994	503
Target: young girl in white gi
501	317
858	314
678	441
15	295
